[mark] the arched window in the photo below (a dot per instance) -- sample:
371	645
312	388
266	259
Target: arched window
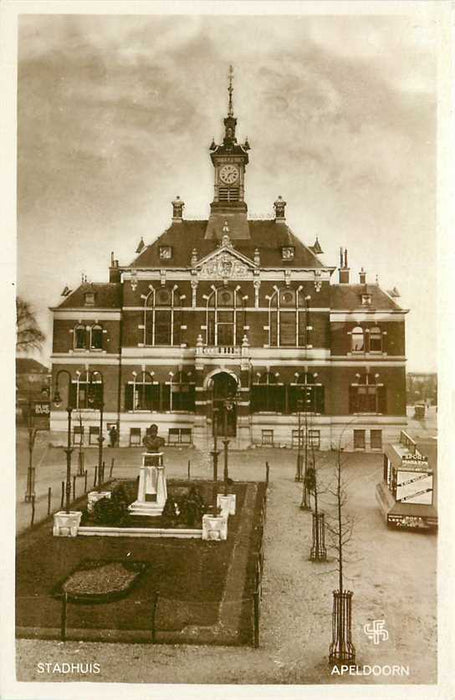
142	393
162	317
367	395
267	393
357	339
306	394
86	390
375	339
288	319
225	317
182	392
96	337
79	337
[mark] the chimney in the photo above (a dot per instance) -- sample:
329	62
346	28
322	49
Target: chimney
280	206
362	276
177	209
344	269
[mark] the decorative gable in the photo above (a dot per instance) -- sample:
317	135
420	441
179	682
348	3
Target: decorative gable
225	263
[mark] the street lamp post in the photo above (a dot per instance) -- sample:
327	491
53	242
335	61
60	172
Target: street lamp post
298	473
100	431
228	406
305	505
68	450
30	492
215	454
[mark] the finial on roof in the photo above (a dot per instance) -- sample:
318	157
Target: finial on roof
230	91
316	248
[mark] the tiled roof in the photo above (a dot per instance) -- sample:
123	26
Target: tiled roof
107	296
349	297
265	235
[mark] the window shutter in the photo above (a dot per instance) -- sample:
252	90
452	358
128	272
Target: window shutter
319	399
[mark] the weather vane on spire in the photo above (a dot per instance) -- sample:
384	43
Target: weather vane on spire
230	91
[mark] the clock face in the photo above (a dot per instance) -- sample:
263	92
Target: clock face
229	174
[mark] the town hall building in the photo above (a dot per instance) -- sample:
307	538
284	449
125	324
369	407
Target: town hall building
235	325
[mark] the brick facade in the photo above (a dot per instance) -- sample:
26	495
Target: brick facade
237	310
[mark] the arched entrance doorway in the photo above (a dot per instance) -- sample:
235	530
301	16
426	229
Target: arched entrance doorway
224	408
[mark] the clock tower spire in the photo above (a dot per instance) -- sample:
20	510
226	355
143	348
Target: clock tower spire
229	161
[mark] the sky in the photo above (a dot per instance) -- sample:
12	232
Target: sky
116	115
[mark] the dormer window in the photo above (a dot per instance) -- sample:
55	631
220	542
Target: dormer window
288	252
366	299
89	298
165	252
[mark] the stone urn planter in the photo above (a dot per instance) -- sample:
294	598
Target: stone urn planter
66	524
94	496
226	503
214	527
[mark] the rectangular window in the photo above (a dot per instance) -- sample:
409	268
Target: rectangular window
314	438
267	437
183	397
79	342
135	436
93	434
359	439
179	436
162	327
267	398
376	439
295	438
78	435
225	334
287	328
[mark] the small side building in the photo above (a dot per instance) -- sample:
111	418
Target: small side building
407	495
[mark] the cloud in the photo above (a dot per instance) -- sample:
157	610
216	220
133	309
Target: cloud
115	114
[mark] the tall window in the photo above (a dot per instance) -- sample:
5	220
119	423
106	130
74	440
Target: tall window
96	337
86	391
162	317
142	393
182	392
306	394
357	339
367	395
225	317
375	339
288	319
267	394
79	337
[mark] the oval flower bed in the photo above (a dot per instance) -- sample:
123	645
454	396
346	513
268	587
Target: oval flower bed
101	581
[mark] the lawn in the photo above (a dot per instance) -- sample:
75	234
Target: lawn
190	575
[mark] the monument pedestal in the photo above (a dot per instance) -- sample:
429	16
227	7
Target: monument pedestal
152	490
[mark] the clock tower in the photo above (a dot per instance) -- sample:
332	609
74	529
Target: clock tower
229	161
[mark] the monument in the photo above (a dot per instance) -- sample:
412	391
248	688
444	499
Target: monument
152	489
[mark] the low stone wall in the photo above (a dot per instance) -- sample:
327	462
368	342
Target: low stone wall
104	531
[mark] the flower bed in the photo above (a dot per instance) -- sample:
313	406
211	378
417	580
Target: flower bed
100	581
190	575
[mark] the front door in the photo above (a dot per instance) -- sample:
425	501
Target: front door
224	409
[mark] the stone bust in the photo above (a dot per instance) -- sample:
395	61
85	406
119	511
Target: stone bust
152	442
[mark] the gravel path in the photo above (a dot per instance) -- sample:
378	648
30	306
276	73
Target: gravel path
392	574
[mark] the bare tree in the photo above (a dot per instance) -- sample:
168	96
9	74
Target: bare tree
340	528
28	334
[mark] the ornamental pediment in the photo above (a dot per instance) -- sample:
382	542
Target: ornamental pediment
225	264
